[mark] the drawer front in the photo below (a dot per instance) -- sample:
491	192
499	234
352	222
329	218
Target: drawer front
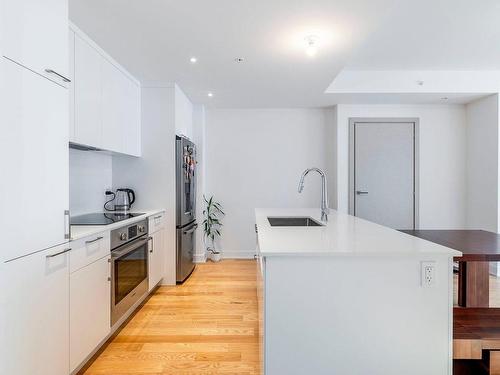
156	222
88	250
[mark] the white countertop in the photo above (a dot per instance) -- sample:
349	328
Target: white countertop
342	235
81	231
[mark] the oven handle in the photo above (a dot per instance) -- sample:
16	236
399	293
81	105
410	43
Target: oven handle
115	254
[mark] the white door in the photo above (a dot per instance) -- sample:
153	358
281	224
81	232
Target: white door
384	165
34	314
34	161
90	305
34	34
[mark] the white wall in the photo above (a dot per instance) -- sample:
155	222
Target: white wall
254	158
442	159
90	175
183	114
153	175
482	164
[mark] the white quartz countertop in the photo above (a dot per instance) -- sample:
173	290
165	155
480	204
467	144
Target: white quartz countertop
342	235
82	231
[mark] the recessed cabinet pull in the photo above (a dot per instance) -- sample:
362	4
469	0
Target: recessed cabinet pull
59	253
50	71
94	240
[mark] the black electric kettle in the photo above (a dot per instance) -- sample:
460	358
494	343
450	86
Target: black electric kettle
123	200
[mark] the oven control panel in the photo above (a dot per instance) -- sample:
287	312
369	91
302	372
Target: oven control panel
128	233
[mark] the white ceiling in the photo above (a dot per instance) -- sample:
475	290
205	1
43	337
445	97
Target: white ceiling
154	40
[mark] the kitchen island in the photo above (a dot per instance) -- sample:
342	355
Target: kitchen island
352	297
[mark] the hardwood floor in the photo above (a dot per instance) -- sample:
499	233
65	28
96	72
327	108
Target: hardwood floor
208	325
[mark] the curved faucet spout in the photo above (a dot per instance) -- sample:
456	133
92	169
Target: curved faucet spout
325	210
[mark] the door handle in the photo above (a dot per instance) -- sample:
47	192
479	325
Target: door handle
67	225
50	71
361	192
152	244
58	253
94	240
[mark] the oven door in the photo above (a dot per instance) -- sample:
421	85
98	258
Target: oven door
129	276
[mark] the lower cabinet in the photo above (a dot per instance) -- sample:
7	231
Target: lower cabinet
156	261
34	313
89	309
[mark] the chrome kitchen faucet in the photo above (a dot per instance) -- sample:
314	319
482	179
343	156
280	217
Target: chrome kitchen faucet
325	210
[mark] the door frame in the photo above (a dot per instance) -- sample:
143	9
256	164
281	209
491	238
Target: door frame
416	164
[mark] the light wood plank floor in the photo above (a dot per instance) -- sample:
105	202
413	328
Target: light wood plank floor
208	325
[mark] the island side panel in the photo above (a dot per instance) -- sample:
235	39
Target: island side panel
357	315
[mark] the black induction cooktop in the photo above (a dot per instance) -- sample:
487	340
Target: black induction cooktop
102	218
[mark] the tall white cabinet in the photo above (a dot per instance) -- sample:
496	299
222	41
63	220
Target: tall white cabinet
34	195
106	99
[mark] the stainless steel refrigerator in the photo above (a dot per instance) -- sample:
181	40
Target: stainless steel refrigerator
186	206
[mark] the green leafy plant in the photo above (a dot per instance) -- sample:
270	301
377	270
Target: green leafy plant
211	223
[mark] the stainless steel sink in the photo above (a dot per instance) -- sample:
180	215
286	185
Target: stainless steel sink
287	221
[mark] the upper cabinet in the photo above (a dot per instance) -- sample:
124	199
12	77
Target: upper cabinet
34	34
106	108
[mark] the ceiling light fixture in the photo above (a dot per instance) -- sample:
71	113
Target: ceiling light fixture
193	59
210	94
311	45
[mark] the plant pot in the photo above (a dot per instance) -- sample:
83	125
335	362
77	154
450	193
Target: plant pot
215	256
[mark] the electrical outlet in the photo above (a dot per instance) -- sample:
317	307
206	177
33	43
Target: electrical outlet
428	274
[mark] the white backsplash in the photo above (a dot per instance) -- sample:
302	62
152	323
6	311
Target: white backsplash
90	175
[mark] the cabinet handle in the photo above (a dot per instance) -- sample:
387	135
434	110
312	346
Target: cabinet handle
67	225
94	240
150	238
360	192
157	217
50	71
59	253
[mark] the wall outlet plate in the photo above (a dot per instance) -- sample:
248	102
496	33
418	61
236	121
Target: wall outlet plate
428	272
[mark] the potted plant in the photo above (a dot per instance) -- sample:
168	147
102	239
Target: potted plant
211	227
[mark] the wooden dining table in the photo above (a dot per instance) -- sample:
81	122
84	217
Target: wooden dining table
479	248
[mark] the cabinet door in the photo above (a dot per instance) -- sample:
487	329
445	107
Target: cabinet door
71	86
156	261
90	301
35	34
114	107
88	94
33	160
34	314
132	122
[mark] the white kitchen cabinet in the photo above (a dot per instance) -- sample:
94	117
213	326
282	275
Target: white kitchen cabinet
71	41
34	162
132	120
90	304
34	34
34	314
88	94
156	261
106	100
88	250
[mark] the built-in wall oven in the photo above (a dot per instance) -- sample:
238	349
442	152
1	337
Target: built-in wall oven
129	268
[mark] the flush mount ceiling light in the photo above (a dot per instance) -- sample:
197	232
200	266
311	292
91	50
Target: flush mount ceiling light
193	59
311	45
210	94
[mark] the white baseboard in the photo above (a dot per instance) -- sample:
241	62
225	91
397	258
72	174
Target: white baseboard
200	258
238	254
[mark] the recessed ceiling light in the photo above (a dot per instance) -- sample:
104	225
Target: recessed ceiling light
193	59
311	45
210	94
